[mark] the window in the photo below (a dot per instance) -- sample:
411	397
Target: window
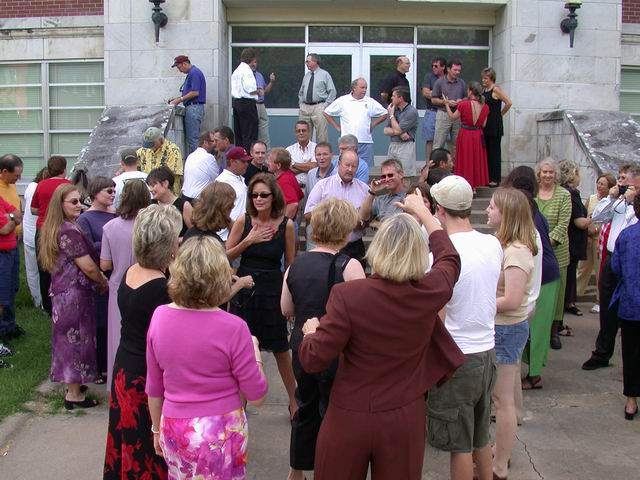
334	34
630	92
49	108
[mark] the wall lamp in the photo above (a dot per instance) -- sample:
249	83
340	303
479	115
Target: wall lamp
569	24
158	17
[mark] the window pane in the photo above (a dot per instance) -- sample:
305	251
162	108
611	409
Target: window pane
334	34
379	69
630	80
452	36
11	74
32	165
340	68
288	65
473	61
267	35
630	102
68	144
76	73
23	145
73	119
20	97
20	120
80	96
387	35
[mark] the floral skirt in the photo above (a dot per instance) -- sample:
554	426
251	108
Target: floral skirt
206	448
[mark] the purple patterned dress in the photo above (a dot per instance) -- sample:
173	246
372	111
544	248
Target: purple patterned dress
73	342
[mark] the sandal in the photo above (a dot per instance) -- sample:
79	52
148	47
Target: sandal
100	380
86	403
573	310
532	383
565	331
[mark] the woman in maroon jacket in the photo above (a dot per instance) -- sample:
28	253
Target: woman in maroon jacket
394	349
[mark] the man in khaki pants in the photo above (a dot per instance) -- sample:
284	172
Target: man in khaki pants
316	92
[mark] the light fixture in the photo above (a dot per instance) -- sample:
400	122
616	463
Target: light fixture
569	24
158	17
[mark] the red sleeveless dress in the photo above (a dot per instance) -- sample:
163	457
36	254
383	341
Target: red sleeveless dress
471	154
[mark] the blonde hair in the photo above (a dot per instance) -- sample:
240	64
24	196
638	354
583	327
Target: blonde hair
567	172
399	250
517	222
200	275
155	231
48	248
546	161
332	221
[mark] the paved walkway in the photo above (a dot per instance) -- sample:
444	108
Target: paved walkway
574	429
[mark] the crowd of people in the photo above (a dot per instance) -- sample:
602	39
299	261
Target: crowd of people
169	280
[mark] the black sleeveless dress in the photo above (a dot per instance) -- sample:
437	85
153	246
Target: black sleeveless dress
310	279
493	132
260	306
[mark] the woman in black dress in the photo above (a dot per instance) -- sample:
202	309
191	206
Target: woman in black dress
307	284
262	238
130	452
494	97
160	181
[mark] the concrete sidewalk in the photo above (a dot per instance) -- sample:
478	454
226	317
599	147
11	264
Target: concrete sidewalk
574	429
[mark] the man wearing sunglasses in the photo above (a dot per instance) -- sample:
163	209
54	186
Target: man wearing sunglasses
438	70
384	194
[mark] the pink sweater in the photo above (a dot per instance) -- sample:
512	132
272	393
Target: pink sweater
200	361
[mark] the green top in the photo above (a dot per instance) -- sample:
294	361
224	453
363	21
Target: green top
557	211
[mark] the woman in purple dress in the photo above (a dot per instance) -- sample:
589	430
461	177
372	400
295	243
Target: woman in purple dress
67	253
101	192
116	257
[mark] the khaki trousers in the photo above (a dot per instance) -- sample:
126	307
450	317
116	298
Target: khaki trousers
314	114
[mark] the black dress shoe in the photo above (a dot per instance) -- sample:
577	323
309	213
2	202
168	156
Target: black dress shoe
595	362
555	342
86	403
16	333
630	416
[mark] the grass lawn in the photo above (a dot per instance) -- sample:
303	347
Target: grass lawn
31	354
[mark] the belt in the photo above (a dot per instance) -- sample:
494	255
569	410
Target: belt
260	103
246	99
195	103
314	103
470	127
432	109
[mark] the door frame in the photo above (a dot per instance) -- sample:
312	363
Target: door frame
397	51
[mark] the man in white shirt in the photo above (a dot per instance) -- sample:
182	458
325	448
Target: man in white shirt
616	208
359	115
237	162
470	319
245	93
129	168
302	153
200	168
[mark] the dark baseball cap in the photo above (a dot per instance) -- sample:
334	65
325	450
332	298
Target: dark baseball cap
180	59
238	153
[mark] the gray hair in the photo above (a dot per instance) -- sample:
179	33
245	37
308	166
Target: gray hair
354	84
315	57
546	161
349	140
155	231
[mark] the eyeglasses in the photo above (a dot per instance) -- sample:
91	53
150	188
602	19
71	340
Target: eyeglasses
387	175
110	191
261	195
302	130
435	65
73	201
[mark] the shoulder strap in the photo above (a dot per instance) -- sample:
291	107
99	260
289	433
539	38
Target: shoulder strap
338	264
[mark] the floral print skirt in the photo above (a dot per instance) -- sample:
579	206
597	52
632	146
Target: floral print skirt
206	448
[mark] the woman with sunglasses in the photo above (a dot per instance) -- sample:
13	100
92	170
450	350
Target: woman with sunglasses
261	238
66	252
101	192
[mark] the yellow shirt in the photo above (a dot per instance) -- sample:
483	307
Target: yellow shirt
517	255
169	154
9	193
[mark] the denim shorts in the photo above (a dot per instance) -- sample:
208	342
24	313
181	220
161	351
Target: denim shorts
510	342
429	125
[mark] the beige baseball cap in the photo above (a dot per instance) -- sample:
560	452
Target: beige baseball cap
453	192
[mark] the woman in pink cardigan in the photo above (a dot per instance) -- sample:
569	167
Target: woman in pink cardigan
201	362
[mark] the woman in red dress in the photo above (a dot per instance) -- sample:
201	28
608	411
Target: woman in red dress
471	154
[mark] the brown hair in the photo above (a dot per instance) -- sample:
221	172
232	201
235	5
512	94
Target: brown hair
611	179
211	211
282	157
97	184
56	165
247	55
48	242
135	196
277	199
489	72
517	221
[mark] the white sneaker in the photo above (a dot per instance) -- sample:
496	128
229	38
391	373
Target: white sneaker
595	308
5	351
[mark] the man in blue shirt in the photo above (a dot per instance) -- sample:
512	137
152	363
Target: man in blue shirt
193	96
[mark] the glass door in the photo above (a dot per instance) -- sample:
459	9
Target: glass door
379	62
343	63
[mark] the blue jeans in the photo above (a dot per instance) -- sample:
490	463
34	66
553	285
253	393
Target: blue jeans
9	281
365	152
510	342
193	116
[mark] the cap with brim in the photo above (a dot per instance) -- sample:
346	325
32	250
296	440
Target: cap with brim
180	59
151	134
129	154
238	153
453	192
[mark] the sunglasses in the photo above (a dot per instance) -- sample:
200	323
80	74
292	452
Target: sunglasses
302	131
110	191
387	175
73	201
261	195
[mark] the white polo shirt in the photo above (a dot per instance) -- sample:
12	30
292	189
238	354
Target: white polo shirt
240	203
355	115
200	169
243	82
302	155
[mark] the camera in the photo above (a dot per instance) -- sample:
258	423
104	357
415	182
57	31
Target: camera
622	189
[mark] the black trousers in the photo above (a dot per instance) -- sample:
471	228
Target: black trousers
312	396
494	157
355	250
245	122
606	341
630	357
570	293
45	279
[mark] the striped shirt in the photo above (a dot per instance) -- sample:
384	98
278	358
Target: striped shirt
557	211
